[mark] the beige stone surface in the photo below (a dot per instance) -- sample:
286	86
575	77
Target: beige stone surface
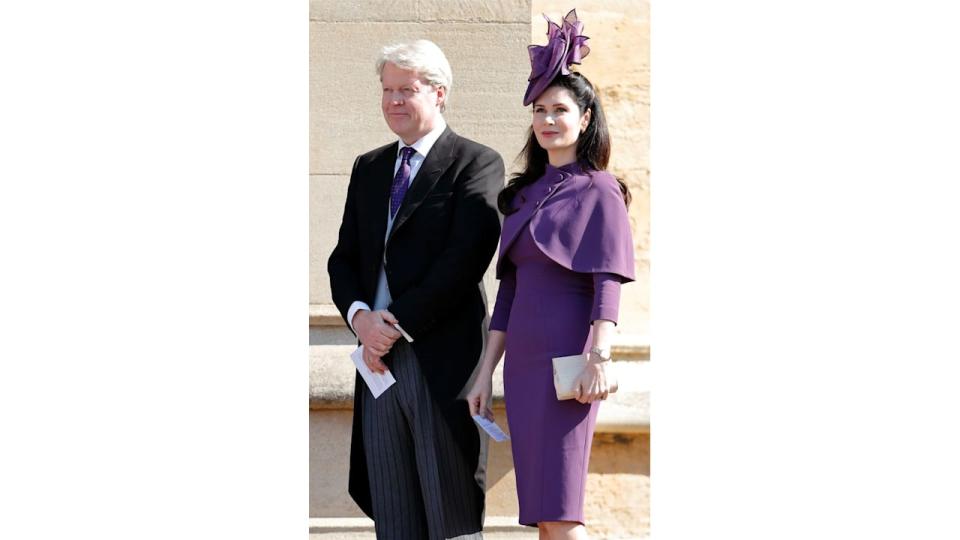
345	118
332	335
332	376
617	504
330	463
325	314
487	11
389	11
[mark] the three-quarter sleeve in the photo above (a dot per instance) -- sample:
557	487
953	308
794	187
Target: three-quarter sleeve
501	310
606	296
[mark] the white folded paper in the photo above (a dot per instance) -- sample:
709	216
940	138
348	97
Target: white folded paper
377	382
491	428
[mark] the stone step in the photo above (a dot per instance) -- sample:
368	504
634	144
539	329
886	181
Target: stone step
364	525
494	528
369	535
326	319
619	461
626	411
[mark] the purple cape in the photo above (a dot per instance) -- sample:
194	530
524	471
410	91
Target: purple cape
581	222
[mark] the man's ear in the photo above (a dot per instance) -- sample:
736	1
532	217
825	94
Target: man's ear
441	96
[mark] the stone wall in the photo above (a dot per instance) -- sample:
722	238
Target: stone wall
485	43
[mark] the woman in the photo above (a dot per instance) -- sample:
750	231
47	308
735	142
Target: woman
565	248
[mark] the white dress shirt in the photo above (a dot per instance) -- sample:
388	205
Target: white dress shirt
422	147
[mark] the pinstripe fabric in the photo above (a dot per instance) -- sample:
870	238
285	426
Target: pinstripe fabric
419	482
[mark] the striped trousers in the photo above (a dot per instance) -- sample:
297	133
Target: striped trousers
420	484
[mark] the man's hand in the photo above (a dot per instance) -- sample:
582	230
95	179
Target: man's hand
377	334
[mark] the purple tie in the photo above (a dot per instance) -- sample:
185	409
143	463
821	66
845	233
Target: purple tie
401	180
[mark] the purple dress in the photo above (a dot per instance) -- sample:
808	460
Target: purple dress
546	309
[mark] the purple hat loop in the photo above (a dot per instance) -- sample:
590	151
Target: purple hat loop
566	45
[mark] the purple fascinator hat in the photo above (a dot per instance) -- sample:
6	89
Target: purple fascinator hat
565	46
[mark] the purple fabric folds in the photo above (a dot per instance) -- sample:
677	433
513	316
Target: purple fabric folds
565	46
580	222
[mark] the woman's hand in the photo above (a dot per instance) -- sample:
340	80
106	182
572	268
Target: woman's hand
479	396
592	384
482	389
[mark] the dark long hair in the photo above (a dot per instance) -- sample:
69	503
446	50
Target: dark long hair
593	145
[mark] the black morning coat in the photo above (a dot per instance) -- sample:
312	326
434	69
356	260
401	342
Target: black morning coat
443	239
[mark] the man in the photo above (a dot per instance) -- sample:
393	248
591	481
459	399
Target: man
419	229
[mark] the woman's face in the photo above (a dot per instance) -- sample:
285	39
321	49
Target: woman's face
557	123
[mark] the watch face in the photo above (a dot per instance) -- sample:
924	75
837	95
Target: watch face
604	355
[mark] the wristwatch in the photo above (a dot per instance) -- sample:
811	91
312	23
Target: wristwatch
599	352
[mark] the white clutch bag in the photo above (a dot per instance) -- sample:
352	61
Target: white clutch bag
566	371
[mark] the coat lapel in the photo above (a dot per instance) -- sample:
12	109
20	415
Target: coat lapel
437	161
381	174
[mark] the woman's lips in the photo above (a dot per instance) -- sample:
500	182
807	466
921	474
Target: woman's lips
549	133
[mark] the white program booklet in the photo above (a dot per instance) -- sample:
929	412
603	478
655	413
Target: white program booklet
491	428
377	382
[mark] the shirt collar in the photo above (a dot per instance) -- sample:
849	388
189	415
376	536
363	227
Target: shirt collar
425	143
574	167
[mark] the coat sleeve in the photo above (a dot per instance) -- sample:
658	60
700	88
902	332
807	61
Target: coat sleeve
606	297
505	294
343	266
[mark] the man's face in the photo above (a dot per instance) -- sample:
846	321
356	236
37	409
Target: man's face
409	106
